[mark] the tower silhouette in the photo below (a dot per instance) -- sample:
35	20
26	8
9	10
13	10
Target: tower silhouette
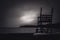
44	19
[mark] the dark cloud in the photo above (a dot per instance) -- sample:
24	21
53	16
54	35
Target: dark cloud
12	10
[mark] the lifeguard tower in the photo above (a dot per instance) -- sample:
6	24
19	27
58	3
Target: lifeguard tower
47	19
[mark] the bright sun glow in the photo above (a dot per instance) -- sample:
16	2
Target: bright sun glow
28	17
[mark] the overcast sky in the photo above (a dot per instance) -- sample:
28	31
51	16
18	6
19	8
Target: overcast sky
17	13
